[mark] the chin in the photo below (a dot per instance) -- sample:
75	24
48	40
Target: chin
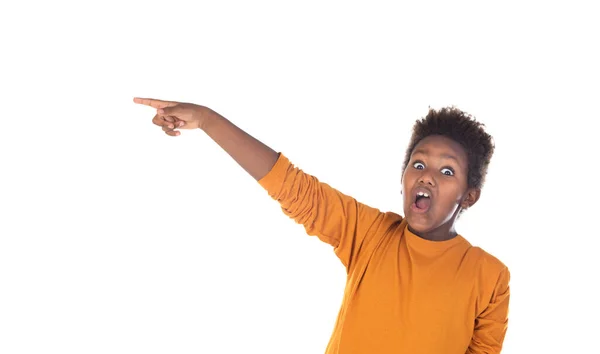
417	223
421	223
419	227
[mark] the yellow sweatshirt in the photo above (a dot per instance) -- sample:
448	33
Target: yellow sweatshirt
404	294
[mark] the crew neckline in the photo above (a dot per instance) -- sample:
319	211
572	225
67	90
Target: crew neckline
418	241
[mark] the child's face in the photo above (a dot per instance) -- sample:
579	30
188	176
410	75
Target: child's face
437	167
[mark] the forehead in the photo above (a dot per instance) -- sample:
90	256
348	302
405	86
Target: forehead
441	146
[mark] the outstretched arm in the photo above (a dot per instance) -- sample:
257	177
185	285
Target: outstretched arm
325	212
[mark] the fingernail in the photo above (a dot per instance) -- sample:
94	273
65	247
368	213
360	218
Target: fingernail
181	124
161	111
171	126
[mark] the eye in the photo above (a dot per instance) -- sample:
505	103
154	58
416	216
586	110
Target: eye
447	171
418	165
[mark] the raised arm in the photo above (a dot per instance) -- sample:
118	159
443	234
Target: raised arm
324	212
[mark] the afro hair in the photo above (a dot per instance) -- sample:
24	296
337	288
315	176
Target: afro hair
465	130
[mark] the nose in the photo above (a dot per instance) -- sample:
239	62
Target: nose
426	178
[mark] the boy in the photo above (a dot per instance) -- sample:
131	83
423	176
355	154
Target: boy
413	284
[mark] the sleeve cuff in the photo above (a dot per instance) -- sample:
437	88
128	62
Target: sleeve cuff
273	180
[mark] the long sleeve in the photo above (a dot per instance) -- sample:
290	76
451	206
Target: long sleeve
492	323
332	216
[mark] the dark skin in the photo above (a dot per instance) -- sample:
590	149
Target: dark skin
438	165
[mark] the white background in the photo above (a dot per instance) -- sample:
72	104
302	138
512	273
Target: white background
116	238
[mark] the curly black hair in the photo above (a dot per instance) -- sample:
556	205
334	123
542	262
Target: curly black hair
465	130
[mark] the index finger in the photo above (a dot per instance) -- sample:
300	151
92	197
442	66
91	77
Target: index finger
153	102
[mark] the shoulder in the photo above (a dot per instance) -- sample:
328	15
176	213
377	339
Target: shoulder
489	268
486	259
493	274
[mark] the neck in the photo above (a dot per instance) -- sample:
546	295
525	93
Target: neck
440	234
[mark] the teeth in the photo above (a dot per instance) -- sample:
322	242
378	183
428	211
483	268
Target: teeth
421	194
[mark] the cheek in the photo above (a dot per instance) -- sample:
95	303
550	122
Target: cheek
452	194
406	183
407	177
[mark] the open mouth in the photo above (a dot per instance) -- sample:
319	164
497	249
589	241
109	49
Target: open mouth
422	202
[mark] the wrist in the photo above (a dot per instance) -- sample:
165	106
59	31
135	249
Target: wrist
210	118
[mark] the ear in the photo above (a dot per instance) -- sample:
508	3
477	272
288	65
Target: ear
470	198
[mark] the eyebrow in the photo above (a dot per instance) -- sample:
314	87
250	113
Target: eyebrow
446	156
